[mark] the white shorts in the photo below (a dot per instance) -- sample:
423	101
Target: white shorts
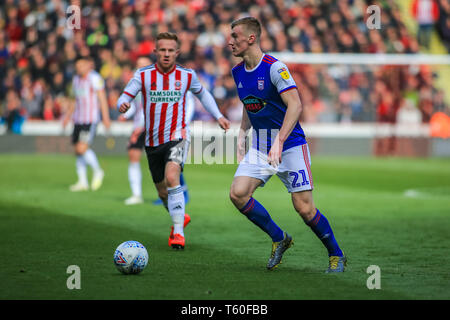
294	170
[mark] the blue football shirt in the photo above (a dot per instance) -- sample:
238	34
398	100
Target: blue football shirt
260	91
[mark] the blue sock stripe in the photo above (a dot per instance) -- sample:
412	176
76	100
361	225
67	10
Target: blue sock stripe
249	206
182	183
314	221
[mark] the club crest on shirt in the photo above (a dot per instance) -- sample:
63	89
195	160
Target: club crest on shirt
284	73
177	85
260	84
253	104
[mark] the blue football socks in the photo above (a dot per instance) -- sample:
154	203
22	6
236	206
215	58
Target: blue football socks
257	214
320	226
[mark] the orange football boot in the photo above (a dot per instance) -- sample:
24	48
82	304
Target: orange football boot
187	219
177	242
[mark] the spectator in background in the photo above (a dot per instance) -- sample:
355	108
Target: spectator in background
31	95
34	40
408	113
439	102
426	12
443	24
13	113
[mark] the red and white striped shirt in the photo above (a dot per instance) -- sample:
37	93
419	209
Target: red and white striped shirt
87	105
164	101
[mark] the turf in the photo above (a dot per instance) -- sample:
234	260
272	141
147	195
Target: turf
393	213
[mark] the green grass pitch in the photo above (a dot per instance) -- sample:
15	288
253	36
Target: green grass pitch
393	213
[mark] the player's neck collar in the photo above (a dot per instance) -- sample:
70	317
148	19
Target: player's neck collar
256	67
165	73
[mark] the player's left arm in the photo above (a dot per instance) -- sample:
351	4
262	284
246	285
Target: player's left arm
99	86
104	107
291	99
287	88
208	102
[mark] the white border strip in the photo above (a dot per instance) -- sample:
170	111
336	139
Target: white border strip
312	130
362	58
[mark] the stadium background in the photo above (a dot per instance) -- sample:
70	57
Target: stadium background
37	53
348	110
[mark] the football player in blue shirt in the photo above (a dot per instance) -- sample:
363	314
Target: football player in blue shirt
272	107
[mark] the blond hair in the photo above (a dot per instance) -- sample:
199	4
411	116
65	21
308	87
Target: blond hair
251	24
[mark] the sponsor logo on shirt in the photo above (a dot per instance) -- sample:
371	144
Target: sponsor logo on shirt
164	96
253	104
284	73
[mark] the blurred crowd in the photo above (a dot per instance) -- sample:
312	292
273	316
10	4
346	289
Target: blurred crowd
38	49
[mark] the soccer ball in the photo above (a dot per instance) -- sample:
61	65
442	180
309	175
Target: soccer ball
130	257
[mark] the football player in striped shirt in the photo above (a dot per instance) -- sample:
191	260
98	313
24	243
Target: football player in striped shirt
137	142
163	87
272	107
88	108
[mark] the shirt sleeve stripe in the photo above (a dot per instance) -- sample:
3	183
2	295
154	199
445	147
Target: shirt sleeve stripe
199	91
288	88
127	93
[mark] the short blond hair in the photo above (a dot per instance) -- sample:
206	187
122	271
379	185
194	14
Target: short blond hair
168	36
250	23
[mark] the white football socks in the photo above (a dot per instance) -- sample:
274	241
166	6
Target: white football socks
175	203
91	160
135	178
81	170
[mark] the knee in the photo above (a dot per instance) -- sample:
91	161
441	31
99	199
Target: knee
80	148
134	155
239	197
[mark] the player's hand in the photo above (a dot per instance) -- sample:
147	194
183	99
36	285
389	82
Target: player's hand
124	107
274	156
224	123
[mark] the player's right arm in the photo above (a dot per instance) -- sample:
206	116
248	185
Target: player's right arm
130	112
129	93
69	112
243	131
70	107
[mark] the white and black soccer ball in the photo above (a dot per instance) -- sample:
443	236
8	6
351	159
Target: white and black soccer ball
130	257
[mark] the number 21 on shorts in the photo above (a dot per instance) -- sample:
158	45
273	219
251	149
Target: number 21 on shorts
296	183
